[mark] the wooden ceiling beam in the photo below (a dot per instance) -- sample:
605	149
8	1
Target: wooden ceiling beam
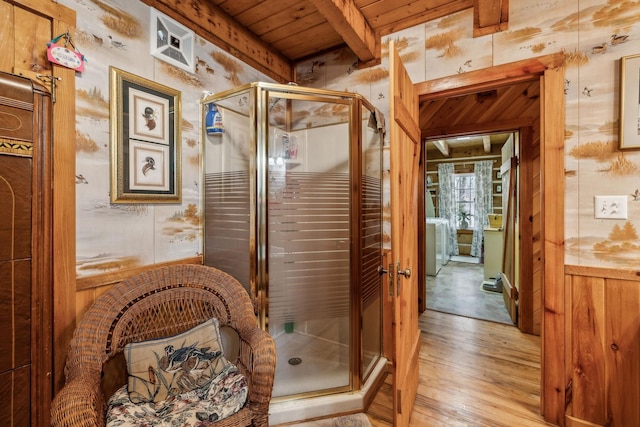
476	128
428	14
490	16
442	146
345	17
486	143
213	24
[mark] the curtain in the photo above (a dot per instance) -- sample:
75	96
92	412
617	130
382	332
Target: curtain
483	171
447	203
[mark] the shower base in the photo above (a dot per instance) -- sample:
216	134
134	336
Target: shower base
307	364
296	410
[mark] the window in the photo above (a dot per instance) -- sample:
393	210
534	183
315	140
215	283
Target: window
465	194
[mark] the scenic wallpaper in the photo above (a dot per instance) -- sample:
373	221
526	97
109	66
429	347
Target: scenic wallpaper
593	35
112	236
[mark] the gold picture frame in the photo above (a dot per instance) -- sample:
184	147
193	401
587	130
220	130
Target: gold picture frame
629	135
145	140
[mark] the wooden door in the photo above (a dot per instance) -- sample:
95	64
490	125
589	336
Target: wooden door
509	271
528	241
15	289
405	174
25	252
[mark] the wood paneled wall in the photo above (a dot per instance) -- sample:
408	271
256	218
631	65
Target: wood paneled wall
603	338
90	288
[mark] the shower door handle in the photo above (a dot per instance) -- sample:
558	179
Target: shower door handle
382	270
406	273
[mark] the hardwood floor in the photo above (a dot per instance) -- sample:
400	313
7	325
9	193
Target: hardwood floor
472	373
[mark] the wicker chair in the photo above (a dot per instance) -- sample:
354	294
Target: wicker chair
158	303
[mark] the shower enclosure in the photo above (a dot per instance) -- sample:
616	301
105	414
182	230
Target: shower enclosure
293	210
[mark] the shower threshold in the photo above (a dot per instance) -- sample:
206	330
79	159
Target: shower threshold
298	410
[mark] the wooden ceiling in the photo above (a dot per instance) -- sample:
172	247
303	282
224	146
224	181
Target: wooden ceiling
443	148
273	35
302	28
501	109
506	107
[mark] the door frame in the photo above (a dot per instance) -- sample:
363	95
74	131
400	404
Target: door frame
550	70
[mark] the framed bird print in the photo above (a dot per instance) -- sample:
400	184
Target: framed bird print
630	102
145	140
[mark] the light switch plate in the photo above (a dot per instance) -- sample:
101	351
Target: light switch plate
610	207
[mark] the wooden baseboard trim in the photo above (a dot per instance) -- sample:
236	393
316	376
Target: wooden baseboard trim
375	387
605	273
570	421
111	278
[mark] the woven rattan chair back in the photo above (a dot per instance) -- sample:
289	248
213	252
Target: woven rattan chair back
158	303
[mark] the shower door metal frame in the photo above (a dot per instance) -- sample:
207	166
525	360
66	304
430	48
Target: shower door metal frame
291	93
259	94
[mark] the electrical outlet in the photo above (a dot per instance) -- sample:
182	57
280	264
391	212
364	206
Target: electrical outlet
610	207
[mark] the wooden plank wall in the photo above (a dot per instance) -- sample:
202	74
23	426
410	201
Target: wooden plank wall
603	320
90	288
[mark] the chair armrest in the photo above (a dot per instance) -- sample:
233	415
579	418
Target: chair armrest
258	355
79	403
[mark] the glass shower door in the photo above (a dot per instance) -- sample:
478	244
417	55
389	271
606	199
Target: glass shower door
309	245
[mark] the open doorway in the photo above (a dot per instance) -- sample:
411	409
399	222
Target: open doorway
510	110
542	165
464	235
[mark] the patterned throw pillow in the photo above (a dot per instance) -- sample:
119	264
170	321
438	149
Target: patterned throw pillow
166	367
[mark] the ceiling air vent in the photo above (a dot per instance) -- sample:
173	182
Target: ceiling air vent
171	41
486	95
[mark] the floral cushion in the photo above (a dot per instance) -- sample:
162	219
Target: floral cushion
224	395
161	368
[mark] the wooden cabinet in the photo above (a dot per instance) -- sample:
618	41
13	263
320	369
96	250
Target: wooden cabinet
25	253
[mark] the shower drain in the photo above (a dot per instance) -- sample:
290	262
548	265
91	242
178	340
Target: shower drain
295	361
